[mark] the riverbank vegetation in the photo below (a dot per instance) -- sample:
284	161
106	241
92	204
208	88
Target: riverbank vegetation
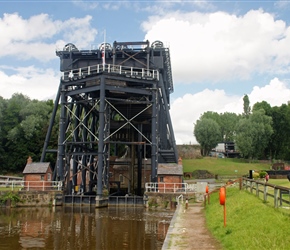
250	222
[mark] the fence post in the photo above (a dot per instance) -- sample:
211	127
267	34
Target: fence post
265	192
276	197
240	183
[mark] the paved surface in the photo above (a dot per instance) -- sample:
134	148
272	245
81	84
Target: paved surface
188	230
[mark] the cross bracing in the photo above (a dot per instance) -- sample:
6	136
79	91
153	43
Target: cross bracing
107	98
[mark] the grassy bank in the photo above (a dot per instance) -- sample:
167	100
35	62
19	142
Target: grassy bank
223	166
250	223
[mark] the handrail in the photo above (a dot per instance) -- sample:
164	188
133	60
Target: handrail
79	73
163	187
31	185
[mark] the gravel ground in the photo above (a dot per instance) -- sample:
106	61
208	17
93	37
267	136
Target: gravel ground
188	230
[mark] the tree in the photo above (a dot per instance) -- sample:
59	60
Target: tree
263	105
247	108
253	134
280	144
24	129
207	133
227	122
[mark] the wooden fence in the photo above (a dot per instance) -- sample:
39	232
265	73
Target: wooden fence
264	190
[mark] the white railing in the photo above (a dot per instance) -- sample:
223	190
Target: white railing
79	73
30	185
162	187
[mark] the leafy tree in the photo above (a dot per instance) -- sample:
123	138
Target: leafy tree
280	143
24	129
247	107
263	105
207	133
227	122
253	134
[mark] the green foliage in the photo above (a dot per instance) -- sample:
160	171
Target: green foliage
253	134
226	121
262	174
13	197
246	215
22	130
152	202
247	107
207	133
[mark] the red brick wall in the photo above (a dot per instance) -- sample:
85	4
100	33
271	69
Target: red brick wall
33	181
168	183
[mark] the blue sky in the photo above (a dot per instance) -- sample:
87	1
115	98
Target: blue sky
220	50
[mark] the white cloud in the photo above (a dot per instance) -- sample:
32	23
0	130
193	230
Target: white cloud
35	83
38	36
187	109
220	46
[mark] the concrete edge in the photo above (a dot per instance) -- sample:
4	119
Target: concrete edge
171	228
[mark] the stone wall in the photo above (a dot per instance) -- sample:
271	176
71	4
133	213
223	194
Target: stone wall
164	200
39	198
189	151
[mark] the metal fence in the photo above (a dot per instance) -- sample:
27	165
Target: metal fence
79	73
14	185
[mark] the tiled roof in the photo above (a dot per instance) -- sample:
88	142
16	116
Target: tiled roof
169	169
36	168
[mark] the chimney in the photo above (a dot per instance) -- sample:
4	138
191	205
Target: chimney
180	161
29	160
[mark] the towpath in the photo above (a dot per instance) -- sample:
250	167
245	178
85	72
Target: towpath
188	230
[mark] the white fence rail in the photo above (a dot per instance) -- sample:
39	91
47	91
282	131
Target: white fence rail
169	187
118	69
30	185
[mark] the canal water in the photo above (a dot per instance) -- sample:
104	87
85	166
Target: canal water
63	228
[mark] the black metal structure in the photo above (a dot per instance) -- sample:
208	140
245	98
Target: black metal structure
111	97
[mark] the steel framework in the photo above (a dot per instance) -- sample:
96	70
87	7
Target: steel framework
111	97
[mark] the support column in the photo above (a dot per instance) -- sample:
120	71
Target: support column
101	138
154	152
139	157
61	138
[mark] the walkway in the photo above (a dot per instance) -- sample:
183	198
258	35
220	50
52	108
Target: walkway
188	230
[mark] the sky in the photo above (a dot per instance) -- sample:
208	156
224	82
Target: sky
220	50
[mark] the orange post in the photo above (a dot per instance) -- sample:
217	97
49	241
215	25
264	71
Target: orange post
223	201
206	190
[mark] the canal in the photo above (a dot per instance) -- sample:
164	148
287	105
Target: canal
63	228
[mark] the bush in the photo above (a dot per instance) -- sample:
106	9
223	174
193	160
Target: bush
256	175
13	197
263	174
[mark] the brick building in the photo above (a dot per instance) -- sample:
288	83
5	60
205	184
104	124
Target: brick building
170	176
37	175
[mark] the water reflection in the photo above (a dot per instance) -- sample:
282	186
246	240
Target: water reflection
83	228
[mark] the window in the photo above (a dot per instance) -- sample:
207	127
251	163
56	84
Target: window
121	178
161	179
49	176
42	177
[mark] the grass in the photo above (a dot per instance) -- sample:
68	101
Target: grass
250	223
223	166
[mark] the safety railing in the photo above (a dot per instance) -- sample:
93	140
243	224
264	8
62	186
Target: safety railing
133	72
169	187
30	185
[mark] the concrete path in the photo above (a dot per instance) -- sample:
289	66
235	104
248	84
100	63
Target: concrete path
187	230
